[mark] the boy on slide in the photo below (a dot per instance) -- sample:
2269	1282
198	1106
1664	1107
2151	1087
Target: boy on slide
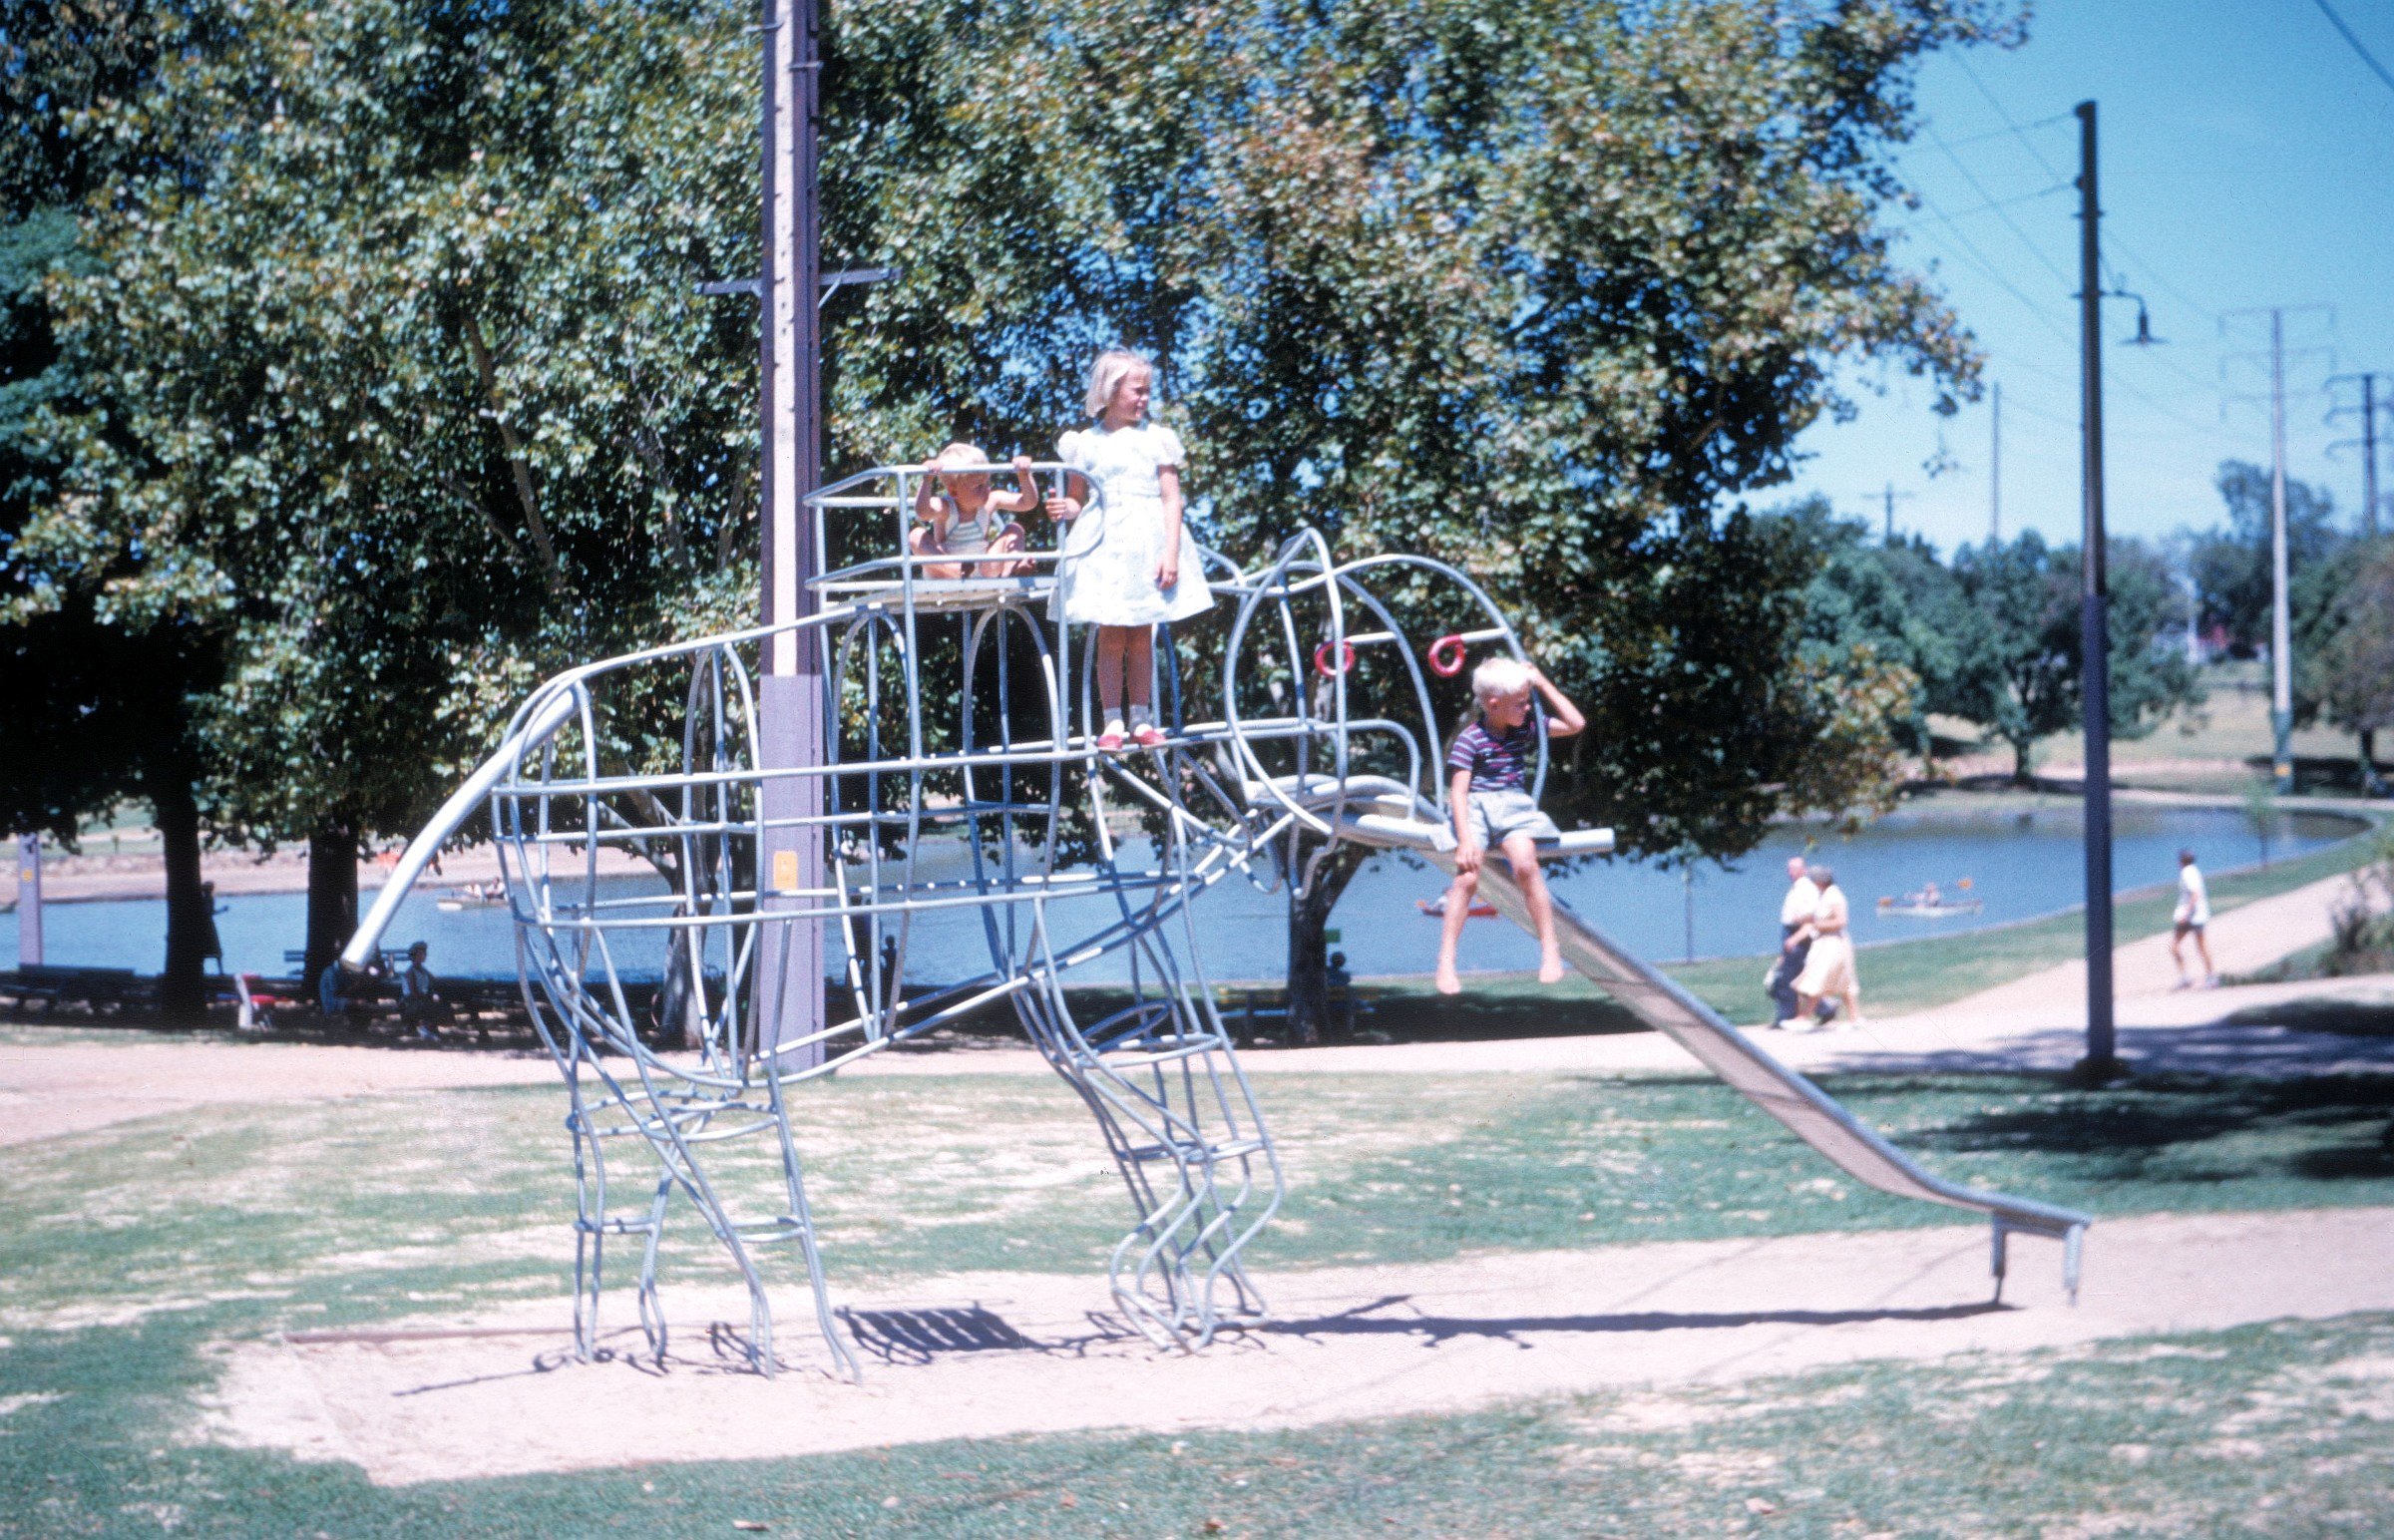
1489	791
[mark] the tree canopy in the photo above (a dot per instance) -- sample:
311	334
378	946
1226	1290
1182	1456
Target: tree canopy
2023	646
2231	566
391	382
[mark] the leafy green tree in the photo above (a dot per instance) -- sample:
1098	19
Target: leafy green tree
2231	566
1900	602
1538	290
100	703
2349	670
426	405
407	403
2021	677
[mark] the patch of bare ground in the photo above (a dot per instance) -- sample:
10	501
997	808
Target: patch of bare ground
992	1354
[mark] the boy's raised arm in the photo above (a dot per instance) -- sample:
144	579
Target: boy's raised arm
922	493
1025	495
1566	721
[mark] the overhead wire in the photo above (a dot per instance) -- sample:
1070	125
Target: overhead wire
2359	47
2111	238
1987	266
2009	222
2019	132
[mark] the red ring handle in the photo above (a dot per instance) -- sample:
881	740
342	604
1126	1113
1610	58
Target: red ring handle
1447	655
1322	659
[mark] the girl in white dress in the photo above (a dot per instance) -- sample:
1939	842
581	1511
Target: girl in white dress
1132	566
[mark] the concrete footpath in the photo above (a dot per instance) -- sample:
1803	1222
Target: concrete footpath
2032	1024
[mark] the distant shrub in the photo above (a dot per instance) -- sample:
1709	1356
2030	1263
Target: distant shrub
2362	923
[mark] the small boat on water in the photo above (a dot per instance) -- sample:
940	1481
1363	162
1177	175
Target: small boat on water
1436	908
1932	903
473	896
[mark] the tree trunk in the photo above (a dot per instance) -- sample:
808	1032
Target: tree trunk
331	898
2022	761
2368	761
1309	952
182	993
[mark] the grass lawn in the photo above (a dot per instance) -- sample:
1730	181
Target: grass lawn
132	1249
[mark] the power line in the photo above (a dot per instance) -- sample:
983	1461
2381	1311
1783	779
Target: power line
1986	265
2367	57
2111	239
1996	208
2009	127
2024	197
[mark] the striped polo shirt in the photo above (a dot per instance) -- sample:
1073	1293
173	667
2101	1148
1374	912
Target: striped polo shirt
1498	761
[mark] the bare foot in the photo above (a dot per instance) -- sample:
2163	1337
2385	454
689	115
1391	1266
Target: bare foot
1550	971
1447	983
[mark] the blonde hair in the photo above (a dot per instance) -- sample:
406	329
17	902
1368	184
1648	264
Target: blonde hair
1497	676
962	453
1107	375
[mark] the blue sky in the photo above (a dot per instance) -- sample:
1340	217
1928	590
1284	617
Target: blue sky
2245	162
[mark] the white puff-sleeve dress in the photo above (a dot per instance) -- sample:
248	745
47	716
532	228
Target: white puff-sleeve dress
1108	573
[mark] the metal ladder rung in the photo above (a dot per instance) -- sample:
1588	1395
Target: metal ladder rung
1196	1152
1118	1060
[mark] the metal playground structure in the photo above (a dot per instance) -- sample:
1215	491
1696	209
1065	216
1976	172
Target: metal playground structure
968	819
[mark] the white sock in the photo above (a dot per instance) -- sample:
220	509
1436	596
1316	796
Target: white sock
1113	722
1138	714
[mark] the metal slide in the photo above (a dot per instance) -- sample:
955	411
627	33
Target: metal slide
1808	1112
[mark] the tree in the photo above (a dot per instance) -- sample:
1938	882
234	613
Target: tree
404	375
2232	567
1541	291
2021	675
2350	671
1897	600
100	706
424	405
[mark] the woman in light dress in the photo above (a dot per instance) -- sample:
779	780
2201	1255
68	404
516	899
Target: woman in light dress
1828	968
1132	566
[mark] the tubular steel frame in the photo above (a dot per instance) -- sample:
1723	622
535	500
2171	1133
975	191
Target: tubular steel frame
1015	789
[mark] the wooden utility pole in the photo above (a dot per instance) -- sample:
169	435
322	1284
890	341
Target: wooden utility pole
2102	1057
789	957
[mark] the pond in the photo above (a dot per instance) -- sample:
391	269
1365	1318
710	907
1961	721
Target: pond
2022	856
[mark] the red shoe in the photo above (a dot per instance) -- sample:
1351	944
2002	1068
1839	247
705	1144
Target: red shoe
1109	742
1148	735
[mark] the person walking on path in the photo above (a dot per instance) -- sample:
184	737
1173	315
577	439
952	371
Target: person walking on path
1803	895
1828	965
2193	915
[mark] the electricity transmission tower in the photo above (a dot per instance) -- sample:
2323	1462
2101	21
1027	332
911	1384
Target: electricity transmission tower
2366	443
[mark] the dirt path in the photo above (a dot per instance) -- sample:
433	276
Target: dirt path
995	1355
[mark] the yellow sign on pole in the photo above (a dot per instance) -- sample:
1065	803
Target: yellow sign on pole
785	871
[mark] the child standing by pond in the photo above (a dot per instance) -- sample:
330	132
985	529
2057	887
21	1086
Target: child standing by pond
1133	567
1488	793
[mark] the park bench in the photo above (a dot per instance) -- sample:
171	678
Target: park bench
41	988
